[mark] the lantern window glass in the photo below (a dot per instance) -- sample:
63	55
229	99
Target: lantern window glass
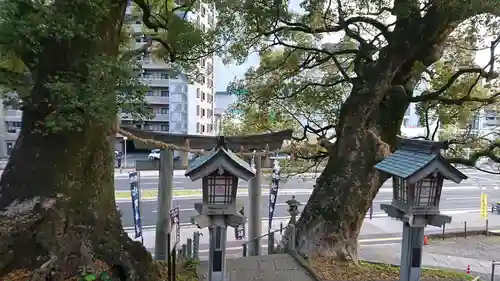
426	192
219	189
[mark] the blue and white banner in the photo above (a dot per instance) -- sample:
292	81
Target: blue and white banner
134	191
239	231
175	223
273	191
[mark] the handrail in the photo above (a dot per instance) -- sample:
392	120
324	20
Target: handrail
264	235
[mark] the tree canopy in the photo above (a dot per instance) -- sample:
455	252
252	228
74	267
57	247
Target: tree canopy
313	52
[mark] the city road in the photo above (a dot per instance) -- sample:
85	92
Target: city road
456	199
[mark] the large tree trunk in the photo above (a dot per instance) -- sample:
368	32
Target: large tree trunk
57	208
331	220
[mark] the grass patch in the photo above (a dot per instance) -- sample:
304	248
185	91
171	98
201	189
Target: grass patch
328	269
153	193
185	271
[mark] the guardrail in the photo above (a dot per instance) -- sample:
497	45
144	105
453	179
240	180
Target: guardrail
273	246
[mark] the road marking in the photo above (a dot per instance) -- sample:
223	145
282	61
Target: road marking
461	198
379	239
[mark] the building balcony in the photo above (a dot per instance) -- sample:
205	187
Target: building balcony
156	82
152	64
158	100
161	118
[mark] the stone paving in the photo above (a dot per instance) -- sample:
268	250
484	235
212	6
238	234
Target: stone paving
278	267
452	253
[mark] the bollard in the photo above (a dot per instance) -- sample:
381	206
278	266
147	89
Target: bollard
196	245
270	243
465	229
493	264
174	259
442	235
371	212
244	250
189	251
281	228
184	252
291	242
487	228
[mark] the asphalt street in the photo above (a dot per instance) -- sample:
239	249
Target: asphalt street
456	199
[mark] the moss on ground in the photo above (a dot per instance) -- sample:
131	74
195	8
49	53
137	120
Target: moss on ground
185	271
328	269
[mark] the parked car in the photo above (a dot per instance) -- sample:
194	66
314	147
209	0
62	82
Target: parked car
154	155
280	157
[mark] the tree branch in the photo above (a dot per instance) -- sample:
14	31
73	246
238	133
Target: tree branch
436	95
486	152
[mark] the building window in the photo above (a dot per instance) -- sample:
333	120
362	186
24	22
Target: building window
198	110
202	63
197	127
202	112
10	146
203	96
149	93
165	93
210	83
165	127
164	110
210	69
13	126
203	11
203	80
164	75
198	93
202	128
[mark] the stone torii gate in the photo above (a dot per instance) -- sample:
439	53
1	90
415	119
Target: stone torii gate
245	146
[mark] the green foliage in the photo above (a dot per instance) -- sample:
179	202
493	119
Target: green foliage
64	57
313	66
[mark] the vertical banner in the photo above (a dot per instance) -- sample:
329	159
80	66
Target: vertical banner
239	231
175	224
135	196
484	206
273	191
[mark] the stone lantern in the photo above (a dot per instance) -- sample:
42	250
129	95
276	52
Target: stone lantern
418	170
220	170
293	208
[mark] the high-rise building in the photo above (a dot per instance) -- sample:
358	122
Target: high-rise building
178	106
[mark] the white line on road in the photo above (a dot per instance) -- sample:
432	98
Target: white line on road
461	198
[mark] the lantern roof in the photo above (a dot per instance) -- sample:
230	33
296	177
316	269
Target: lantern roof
219	157
416	159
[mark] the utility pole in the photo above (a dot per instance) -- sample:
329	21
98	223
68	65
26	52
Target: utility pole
165	192
255	219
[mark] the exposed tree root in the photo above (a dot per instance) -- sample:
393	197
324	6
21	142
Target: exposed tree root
43	242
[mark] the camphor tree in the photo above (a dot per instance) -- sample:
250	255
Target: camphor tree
389	56
69	64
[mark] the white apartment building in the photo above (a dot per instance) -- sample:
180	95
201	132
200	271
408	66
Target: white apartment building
179	107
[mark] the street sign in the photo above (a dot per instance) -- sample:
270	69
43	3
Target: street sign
484	206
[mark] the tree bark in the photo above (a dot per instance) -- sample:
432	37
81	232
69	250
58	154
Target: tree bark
58	214
332	218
